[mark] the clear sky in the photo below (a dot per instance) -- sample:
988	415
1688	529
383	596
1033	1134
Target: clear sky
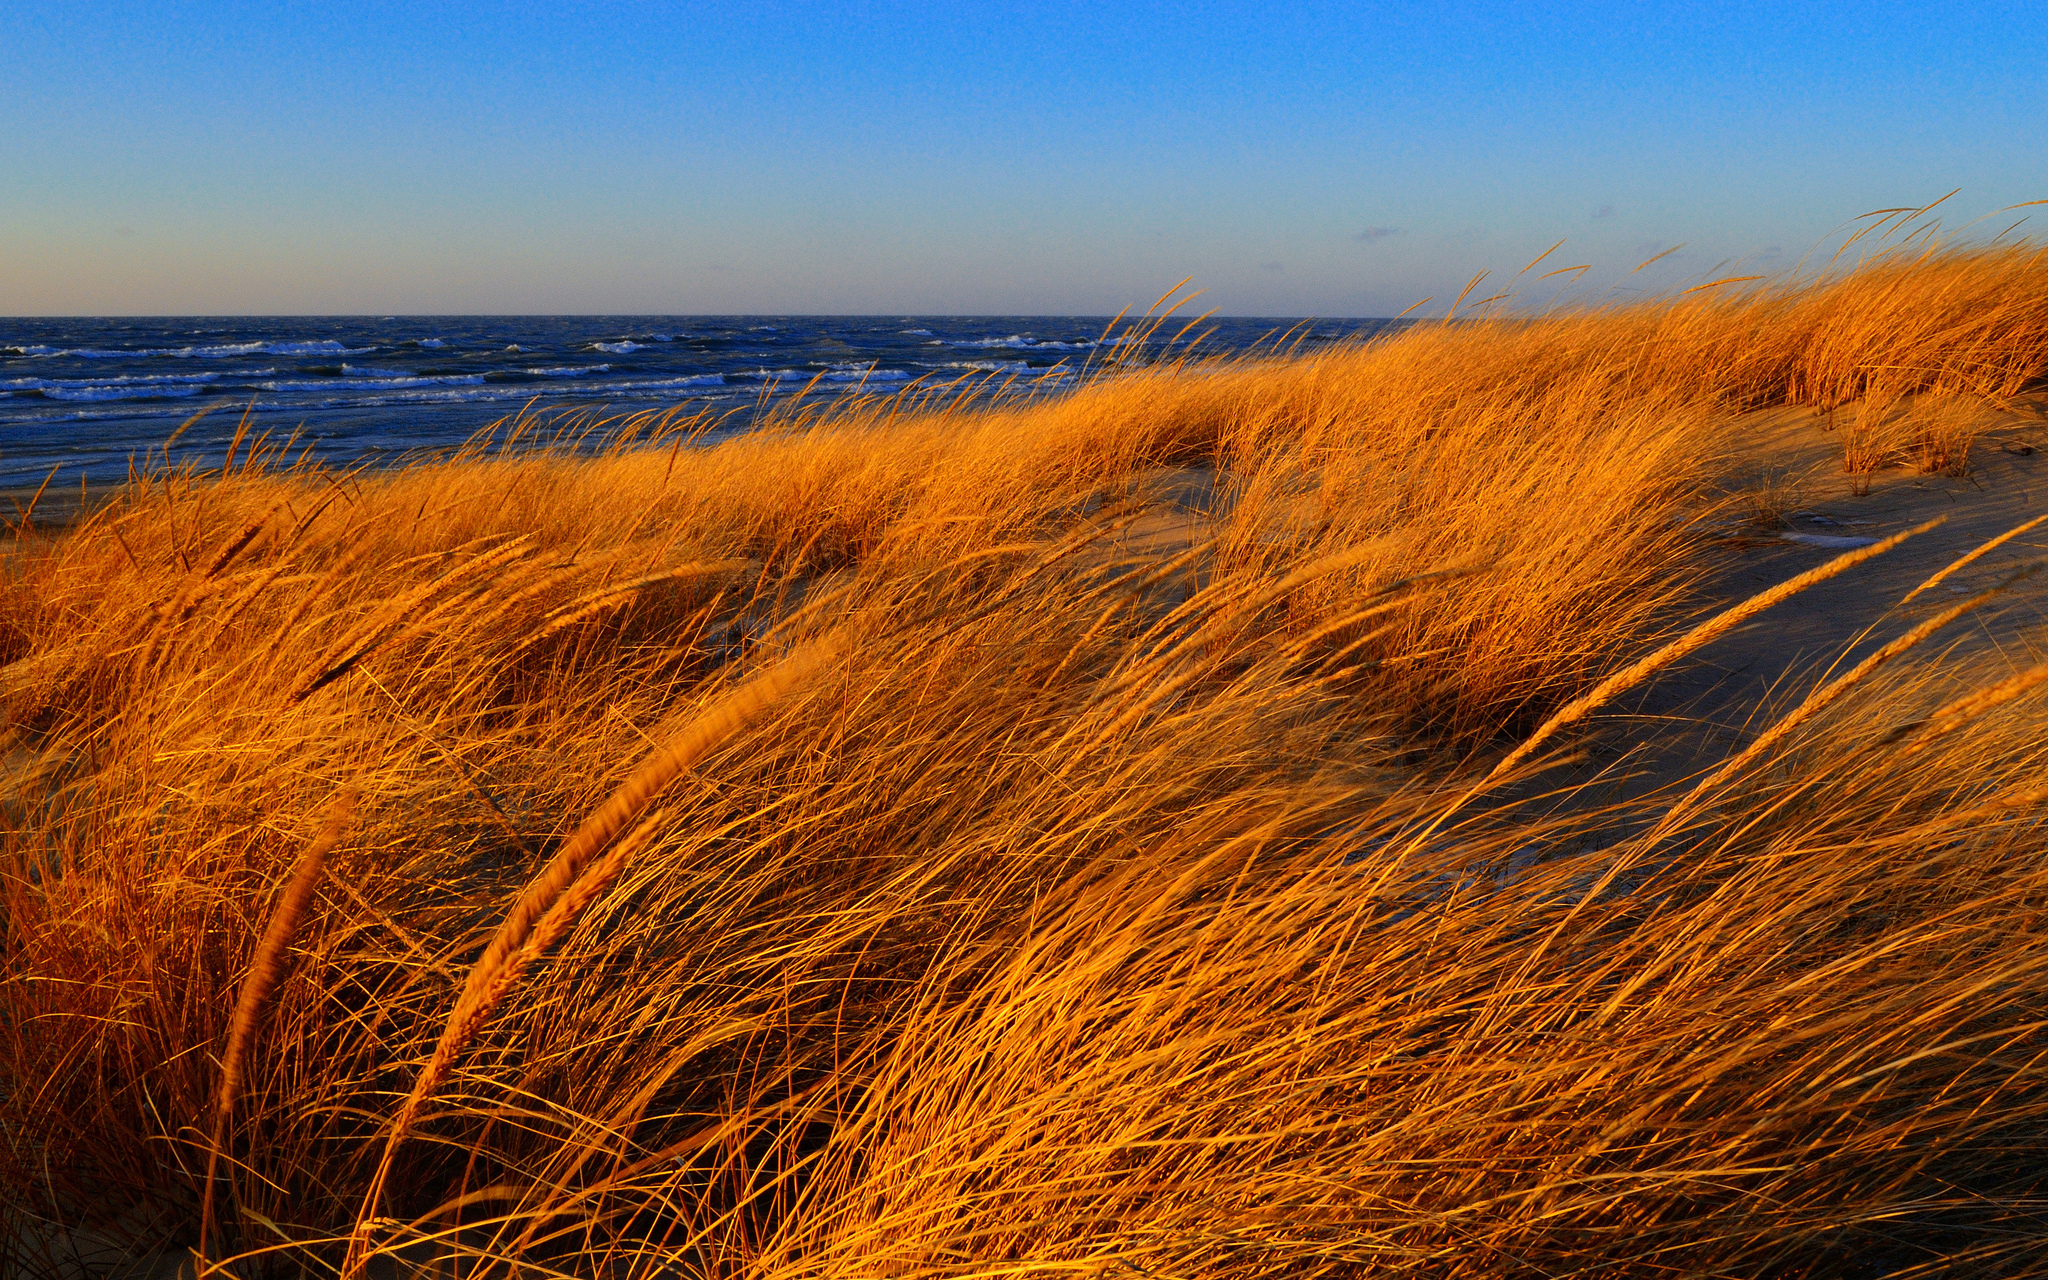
225	158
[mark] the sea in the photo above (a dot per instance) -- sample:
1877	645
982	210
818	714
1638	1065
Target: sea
84	399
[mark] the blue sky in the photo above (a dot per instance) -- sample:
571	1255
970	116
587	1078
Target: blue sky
981	158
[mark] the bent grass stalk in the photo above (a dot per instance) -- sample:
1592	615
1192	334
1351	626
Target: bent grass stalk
517	938
1963	562
1629	677
615	596
1698	638
264	971
1960	712
1828	694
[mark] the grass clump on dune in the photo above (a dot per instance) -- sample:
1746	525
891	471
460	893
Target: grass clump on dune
1022	876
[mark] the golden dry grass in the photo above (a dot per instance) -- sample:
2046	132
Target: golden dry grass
1109	902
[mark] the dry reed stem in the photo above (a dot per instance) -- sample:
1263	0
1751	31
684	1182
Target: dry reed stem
613	597
1820	699
1812	705
560	918
1699	637
264	970
2017	798
381	627
1965	562
1961	711
1628	677
492	975
1163	690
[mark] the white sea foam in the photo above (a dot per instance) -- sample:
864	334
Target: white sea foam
570	370
376	384
917	333
620	348
1036	373
211	353
1024	342
125	415
694	380
152	392
661	389
324	347
121	380
432	343
863	373
216	351
652	386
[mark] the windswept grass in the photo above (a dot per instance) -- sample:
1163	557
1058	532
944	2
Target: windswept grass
906	845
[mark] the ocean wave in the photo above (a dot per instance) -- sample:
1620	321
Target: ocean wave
1038	372
156	391
1024	342
431	344
620	348
917	333
701	387
376	383
217	351
136	413
660	390
833	373
693	380
120	380
80	353
444	390
324	347
652	386
571	371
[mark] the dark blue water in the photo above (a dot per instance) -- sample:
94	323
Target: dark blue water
83	397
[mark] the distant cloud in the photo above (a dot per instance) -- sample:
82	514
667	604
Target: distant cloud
1270	266
1371	234
1604	211
1772	254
